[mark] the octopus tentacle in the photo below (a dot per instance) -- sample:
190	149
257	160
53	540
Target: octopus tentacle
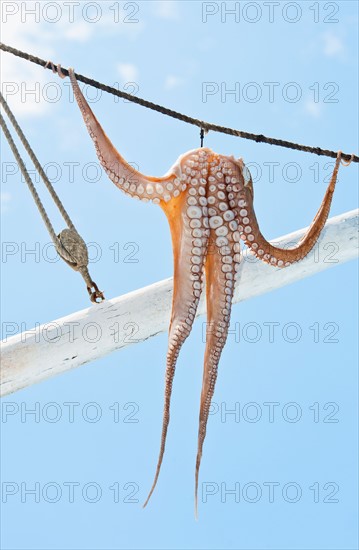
221	267
118	170
218	311
189	229
253	238
179	330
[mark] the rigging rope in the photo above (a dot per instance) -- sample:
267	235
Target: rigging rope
206	126
69	244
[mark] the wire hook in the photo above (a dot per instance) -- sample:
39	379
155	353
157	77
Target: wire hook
202	134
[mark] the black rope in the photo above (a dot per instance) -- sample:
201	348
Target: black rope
206	126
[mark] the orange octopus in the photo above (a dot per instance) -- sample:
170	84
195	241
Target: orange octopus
207	198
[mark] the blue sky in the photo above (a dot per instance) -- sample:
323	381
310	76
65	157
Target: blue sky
187	56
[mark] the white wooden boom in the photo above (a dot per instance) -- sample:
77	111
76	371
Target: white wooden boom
84	336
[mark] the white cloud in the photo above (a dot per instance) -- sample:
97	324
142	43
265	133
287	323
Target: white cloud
5	198
173	82
79	32
333	45
20	78
128	72
37	34
313	109
167	9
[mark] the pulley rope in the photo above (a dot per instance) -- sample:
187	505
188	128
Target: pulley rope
206	126
36	163
69	243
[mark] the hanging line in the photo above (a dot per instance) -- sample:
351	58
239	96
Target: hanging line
69	244
201	135
259	138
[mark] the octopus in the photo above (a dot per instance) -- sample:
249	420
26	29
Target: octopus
208	201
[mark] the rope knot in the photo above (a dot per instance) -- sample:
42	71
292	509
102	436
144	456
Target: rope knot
260	138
